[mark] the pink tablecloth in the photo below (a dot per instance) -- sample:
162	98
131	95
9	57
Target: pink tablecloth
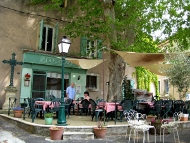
110	106
45	104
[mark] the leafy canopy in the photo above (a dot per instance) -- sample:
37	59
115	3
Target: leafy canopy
120	23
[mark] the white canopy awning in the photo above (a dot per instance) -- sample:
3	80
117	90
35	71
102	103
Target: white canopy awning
85	63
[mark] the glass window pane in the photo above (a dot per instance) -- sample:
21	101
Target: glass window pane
39	82
43	39
54	83
49	39
38	94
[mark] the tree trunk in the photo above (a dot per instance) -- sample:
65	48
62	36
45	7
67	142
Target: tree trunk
116	74
116	64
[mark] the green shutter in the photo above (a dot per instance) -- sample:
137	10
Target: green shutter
55	38
99	49
41	34
83	44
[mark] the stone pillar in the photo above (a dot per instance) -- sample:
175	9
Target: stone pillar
10	91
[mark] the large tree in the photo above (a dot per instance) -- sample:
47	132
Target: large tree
124	23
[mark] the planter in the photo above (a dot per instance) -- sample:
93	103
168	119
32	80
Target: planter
48	121
150	118
18	113
56	133
184	117
158	128
99	132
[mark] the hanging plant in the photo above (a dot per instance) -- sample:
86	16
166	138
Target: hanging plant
144	78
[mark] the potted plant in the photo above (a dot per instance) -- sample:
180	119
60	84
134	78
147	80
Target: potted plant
56	133
48	118
157	123
149	118
184	117
18	112
100	130
27	76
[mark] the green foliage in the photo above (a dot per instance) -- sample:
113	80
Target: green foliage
144	78
126	21
48	115
178	73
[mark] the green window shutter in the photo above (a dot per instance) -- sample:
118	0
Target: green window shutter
55	38
41	34
99	49
83	44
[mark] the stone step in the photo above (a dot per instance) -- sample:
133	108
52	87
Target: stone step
78	136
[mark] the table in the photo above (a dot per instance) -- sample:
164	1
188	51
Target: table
111	107
45	104
78	105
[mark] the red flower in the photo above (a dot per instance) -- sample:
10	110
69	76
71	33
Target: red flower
27	75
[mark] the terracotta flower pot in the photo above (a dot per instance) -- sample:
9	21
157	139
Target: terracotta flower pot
158	127
100	132
56	133
150	118
18	113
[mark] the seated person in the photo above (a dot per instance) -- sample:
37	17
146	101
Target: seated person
86	95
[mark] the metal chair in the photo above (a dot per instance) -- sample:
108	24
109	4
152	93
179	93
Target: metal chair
173	126
167	108
85	104
40	106
139	124
55	103
12	103
93	108
178	105
34	110
127	105
156	108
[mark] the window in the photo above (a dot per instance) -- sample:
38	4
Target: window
91	48
159	86
166	86
48	37
92	82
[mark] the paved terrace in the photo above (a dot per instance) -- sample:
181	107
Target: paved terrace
84	124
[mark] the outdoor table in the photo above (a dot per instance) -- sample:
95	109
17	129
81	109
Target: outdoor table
45	104
111	107
78	105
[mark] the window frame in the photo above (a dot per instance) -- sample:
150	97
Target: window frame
97	81
84	49
55	29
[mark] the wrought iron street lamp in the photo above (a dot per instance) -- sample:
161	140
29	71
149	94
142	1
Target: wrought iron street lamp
63	48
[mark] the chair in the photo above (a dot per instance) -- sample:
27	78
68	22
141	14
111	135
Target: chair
40	106
127	105
34	110
93	108
178	105
186	108
173	126
156	108
55	103
85	104
100	109
138	124
167	108
12	103
51	97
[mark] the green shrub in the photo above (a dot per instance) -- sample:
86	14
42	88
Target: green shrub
48	115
